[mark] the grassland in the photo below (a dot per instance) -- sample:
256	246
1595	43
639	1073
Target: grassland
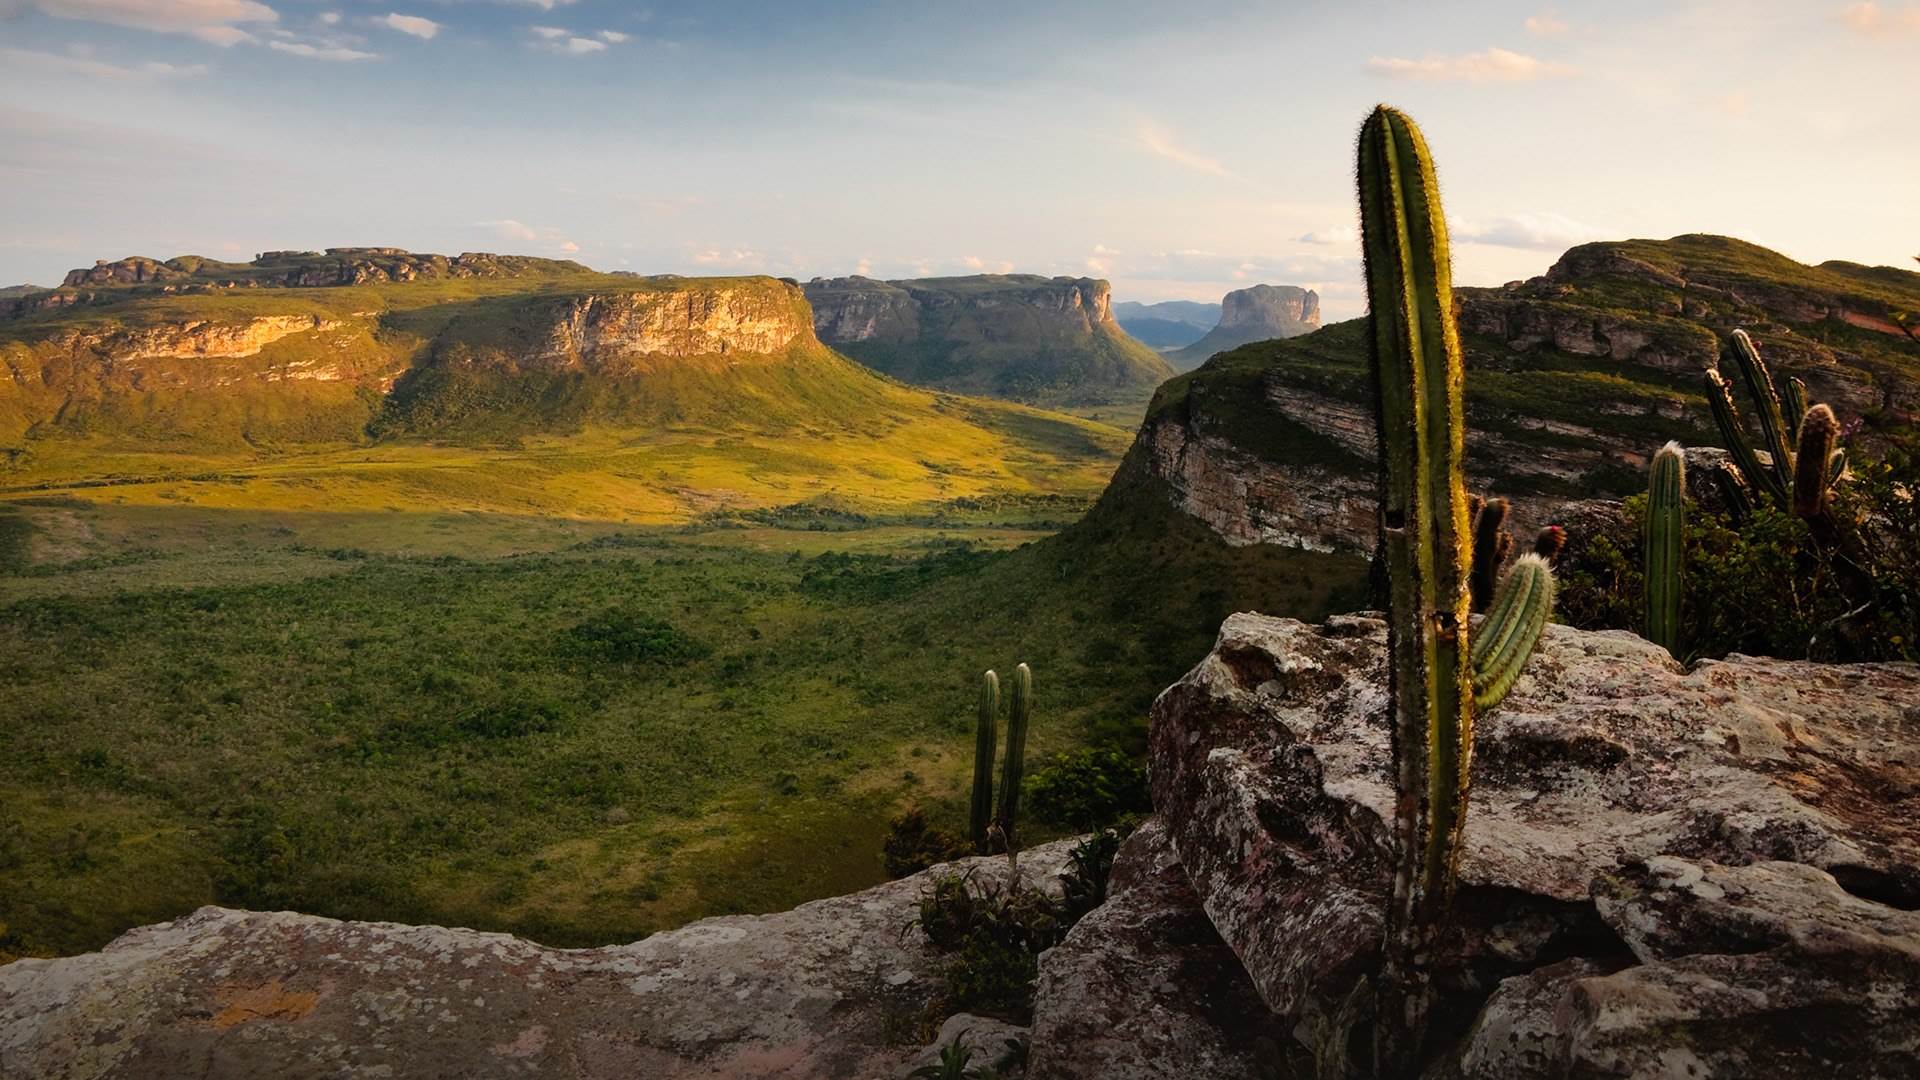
574	729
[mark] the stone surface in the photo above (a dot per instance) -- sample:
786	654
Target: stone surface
835	988
1608	770
1143	987
985	1037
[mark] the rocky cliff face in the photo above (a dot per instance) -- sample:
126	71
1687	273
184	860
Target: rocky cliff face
1573	379
1260	313
1019	336
278	365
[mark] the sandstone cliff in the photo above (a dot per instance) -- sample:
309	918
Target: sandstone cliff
1260	313
1573	379
339	341
1017	336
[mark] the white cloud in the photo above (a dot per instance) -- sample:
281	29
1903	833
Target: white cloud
98	69
329	18
1159	143
569	247
421	28
984	266
550	33
509	229
321	52
223	36
167	16
578	46
738	258
545	5
615	37
1493	65
1871	20
1546	24
1335	234
1539	232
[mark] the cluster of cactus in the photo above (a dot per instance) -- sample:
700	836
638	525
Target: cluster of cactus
994	829
1436	675
1804	459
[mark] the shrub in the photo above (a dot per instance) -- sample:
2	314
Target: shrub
913	845
623	637
1089	790
993	937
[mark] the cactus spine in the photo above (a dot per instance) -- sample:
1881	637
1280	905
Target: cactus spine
1506	638
1017	716
1665	545
983	739
1418	370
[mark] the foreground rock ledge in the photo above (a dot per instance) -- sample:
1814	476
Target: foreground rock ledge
1706	872
834	988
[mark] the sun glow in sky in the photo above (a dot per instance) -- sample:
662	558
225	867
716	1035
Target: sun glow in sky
1178	150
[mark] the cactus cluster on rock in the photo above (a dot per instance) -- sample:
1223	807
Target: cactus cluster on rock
1802	441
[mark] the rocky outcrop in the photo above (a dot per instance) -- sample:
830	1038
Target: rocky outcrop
1143	988
833	988
1020	336
755	317
1658	861
197	337
313	269
1259	313
1574	378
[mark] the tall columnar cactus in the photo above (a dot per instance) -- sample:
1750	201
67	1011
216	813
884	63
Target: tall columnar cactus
1017	715
1418	370
1665	545
983	741
1506	637
1492	543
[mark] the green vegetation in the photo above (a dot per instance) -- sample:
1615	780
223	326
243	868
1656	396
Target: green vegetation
1504	642
1419	369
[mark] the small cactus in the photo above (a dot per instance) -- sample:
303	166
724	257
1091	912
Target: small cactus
983	740
1017	715
1506	637
1665	545
1550	544
1734	492
1492	543
1812	461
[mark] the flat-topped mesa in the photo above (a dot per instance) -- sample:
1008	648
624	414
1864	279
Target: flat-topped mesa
312	269
1257	313
1019	336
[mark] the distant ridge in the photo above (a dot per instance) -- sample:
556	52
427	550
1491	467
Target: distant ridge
1260	313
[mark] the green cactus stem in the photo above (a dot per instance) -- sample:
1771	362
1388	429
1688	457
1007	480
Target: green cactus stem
1734	492
1018	713
1418	370
1491	545
1505	639
1813	462
1796	406
1759	477
983	740
1665	545
1773	424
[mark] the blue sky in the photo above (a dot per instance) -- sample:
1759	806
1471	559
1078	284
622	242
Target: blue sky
1178	150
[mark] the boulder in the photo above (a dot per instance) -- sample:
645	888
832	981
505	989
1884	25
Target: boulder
1792	788
1143	987
834	988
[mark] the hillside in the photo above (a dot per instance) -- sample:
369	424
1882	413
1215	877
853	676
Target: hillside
1046	341
1167	325
658	397
1259	313
1574	379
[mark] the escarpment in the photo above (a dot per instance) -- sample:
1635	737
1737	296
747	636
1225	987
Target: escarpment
1259	313
325	349
1017	336
1578	376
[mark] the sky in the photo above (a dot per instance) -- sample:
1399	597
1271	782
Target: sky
1178	150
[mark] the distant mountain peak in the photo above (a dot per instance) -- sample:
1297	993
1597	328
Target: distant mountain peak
1255	313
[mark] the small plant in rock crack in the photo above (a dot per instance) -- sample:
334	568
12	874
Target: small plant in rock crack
954	1065
992	937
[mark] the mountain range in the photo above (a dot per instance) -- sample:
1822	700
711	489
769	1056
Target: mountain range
1167	325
